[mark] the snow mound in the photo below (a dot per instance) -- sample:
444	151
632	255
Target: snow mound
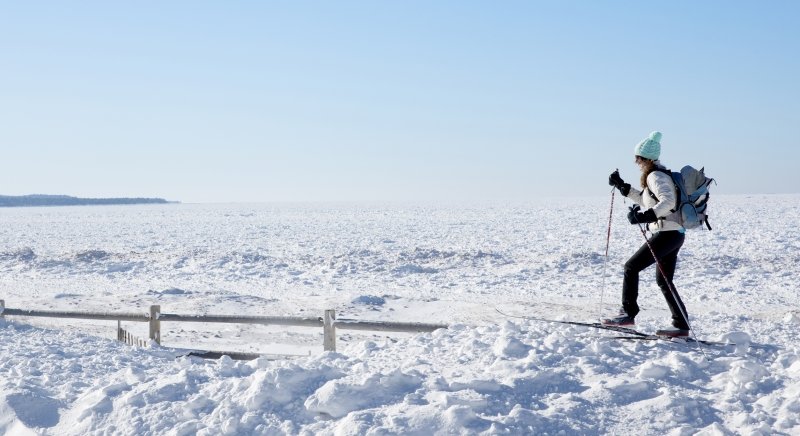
495	379
369	300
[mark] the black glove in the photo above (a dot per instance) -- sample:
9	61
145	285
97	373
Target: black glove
616	181
635	216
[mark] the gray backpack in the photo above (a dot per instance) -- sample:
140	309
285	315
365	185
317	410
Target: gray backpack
692	187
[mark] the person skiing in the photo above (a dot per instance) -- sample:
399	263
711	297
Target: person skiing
655	204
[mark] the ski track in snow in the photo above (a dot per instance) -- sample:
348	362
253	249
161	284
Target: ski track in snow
453	264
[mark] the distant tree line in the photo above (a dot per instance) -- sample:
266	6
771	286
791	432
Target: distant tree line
66	200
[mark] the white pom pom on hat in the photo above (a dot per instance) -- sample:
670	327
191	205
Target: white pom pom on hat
650	147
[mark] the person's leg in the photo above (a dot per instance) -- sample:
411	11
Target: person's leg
630	281
662	243
672	244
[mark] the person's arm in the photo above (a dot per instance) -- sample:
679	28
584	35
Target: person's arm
662	186
624	188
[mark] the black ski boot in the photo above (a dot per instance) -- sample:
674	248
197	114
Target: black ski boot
674	332
623	320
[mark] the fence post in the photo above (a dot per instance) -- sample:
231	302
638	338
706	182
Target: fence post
119	330
329	331
155	324
2	308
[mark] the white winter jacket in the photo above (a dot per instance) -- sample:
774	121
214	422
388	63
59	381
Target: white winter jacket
660	186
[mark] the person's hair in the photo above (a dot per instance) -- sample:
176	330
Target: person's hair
648	167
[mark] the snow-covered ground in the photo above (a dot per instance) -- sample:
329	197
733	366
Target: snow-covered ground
450	264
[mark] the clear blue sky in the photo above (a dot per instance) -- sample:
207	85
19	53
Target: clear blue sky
406	100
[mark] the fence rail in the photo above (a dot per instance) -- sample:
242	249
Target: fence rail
101	316
381	326
155	317
242	319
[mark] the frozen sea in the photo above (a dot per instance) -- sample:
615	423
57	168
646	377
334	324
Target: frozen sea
454	264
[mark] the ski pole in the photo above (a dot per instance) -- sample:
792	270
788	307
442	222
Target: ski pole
608	242
671	288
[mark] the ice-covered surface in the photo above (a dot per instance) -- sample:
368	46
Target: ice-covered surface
448	264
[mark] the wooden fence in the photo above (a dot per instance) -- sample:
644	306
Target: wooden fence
155	317
128	337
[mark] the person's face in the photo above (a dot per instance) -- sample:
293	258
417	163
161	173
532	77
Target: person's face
640	161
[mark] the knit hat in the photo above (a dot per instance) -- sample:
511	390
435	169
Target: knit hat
650	147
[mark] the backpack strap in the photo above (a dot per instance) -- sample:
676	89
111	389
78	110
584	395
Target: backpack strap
677	189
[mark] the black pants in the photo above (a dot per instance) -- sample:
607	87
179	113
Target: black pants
666	246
